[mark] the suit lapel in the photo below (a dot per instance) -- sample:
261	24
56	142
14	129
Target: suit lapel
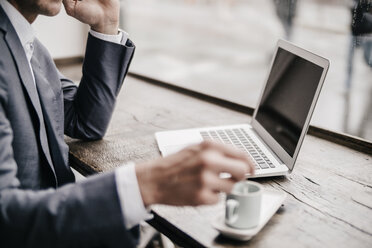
25	75
20	59
24	70
53	119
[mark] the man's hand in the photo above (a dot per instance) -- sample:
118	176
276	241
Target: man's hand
191	177
101	15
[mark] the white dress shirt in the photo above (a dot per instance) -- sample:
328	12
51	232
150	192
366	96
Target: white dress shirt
131	202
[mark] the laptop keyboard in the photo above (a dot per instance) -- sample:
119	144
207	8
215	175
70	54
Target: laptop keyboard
240	139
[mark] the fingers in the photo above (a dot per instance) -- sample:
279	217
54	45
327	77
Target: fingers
217	184
191	176
218	163
231	153
211	187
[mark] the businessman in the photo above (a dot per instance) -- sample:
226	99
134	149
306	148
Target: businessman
41	205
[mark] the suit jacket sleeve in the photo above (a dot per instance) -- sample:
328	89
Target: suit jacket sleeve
89	107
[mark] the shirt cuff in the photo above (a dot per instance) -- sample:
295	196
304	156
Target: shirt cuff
130	198
120	38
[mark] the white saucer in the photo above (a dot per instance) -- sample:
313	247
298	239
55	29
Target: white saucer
271	201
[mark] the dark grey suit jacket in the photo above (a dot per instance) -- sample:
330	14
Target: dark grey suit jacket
40	206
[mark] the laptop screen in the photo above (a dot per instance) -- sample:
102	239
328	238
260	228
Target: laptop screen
287	98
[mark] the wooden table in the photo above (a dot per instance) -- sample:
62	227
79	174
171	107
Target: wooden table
329	201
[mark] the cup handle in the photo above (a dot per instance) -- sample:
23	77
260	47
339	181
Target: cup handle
231	213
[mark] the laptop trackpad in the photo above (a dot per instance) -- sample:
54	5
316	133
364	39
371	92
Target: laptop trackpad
173	141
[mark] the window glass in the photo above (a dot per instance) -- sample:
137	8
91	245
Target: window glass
224	48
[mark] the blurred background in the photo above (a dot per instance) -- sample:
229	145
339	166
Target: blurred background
224	47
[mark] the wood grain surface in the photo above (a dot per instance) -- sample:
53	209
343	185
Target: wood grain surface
329	201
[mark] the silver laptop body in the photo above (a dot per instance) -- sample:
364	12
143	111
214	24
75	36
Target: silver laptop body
280	120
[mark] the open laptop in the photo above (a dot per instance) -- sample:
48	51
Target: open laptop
279	124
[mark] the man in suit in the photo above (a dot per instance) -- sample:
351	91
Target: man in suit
41	205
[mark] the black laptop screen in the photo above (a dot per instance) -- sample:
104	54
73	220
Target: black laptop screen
287	98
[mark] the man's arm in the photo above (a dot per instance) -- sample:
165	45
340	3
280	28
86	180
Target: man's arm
89	107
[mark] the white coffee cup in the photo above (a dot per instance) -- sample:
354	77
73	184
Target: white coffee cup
243	205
